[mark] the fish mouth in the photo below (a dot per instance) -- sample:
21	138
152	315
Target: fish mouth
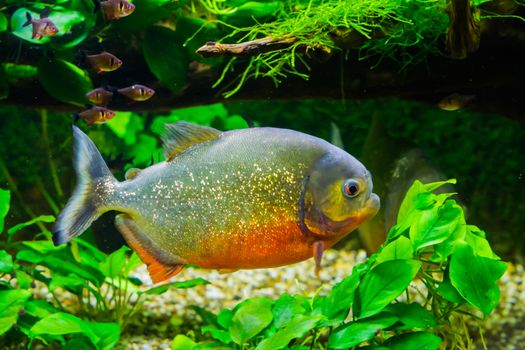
336	229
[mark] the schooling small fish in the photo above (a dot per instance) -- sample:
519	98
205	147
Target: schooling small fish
455	101
114	9
137	92
41	27
240	199
103	62
95	115
99	96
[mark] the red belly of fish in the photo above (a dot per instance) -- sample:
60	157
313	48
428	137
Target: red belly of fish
272	246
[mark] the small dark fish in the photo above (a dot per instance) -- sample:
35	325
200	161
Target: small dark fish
455	101
137	92
99	96
96	115
41	27
103	62
114	9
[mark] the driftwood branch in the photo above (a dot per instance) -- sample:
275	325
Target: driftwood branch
248	48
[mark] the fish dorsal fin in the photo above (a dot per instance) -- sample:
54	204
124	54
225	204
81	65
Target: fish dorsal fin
132	173
182	135
45	13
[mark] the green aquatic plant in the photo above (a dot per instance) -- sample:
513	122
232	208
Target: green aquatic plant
405	30
106	293
372	307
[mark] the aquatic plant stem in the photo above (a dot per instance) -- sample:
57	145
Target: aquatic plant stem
14	187
47	196
52	165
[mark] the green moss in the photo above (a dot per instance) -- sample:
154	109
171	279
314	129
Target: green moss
401	29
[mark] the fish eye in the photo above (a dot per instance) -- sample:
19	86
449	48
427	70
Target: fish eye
351	188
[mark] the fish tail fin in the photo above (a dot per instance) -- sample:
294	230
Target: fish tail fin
88	201
29	20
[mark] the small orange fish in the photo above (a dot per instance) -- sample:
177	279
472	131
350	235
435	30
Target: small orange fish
103	62
137	92
41	27
99	96
95	115
114	9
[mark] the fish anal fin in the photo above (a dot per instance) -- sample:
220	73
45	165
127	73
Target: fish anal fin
160	266
182	135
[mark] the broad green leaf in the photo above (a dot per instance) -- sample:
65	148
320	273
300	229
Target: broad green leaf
448	291
103	335
70	282
235	122
63	18
109	334
354	333
432	186
339	300
5	197
6	262
166	57
475	277
179	284
4	85
40	308
3	22
285	308
208	317
250	319
41	218
64	81
11	302
182	342
476	239
411	315
401	248
414	341
414	200
23	279
218	334
114	264
385	282
19	71
224	318
296	328
435	225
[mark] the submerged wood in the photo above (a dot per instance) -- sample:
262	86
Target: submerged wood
248	48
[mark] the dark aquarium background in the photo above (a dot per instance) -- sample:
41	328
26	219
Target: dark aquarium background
416	90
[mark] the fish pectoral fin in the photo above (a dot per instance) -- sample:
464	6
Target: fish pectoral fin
160	266
318	249
182	135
